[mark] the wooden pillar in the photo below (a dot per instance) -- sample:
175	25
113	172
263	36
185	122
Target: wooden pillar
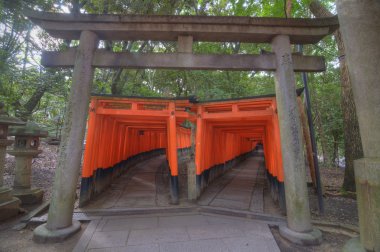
60	224
299	228
191	168
172	151
198	149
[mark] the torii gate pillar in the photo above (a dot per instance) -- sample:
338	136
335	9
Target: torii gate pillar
299	229
360	27
60	224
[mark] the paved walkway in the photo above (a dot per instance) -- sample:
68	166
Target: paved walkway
145	187
141	187
239	189
178	232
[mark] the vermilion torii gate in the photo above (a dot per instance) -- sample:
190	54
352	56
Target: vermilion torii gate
125	130
89	29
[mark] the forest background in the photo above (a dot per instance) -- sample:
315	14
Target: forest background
32	92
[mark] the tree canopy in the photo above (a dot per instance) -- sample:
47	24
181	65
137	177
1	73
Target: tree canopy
33	92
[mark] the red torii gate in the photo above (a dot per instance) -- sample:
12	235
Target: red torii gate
122	131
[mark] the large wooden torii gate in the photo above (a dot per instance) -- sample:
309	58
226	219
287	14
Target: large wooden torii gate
89	29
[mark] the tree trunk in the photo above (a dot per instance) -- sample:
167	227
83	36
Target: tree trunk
335	158
306	135
352	142
288	8
26	110
323	141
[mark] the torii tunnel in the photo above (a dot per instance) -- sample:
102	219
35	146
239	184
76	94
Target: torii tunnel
123	131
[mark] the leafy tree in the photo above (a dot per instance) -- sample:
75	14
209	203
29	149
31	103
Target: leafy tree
31	91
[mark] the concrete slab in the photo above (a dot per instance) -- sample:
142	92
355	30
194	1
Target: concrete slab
245	244
157	235
140	248
130	192
236	195
109	239
231	204
129	223
212	245
257	201
214	231
182	220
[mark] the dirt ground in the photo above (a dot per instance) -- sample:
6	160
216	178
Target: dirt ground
339	209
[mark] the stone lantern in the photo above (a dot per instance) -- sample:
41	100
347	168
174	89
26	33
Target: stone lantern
9	206
27	141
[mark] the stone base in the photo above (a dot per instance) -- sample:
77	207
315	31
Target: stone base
44	235
353	245
29	196
9	208
311	238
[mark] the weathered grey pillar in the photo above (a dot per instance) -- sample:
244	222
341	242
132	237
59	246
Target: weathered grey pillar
60	224
298	229
360	28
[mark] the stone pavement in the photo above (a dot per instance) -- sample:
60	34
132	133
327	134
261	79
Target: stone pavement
146	186
145	221
176	232
241	188
135	189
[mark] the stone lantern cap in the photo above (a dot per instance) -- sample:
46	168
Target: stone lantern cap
30	129
8	120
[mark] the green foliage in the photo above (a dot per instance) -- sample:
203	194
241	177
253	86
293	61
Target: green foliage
22	78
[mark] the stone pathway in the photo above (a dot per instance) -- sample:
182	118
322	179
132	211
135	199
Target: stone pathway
135	189
176	232
239	189
146	186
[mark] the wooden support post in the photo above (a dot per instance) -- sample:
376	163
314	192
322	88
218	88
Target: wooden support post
191	168
60	224
198	149
172	150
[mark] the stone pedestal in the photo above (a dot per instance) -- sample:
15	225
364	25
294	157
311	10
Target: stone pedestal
22	184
